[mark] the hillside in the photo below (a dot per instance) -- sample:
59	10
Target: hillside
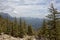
35	22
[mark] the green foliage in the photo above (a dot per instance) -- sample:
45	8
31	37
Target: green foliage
12	27
22	29
51	28
30	30
54	28
43	31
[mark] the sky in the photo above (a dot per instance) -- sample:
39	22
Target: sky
27	8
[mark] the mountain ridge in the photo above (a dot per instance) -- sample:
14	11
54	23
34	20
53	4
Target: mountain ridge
35	22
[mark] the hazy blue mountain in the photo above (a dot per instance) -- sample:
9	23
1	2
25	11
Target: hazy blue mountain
35	22
5	15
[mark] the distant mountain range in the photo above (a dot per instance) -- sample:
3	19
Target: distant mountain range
35	22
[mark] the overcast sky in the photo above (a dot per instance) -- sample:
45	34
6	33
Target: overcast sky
27	8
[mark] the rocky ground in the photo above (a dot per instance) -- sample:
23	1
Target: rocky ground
8	37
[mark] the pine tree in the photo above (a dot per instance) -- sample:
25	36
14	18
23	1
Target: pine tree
7	26
30	30
53	23
58	30
15	28
25	27
12	29
21	29
0	24
43	31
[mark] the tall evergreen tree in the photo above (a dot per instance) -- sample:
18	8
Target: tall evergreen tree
7	26
0	25
30	30
53	23
25	27
21	29
44	31
15	28
12	29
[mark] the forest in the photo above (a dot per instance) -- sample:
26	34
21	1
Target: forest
50	29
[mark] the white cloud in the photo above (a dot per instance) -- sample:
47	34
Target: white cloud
25	8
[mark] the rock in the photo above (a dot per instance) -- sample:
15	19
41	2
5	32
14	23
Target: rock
8	37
